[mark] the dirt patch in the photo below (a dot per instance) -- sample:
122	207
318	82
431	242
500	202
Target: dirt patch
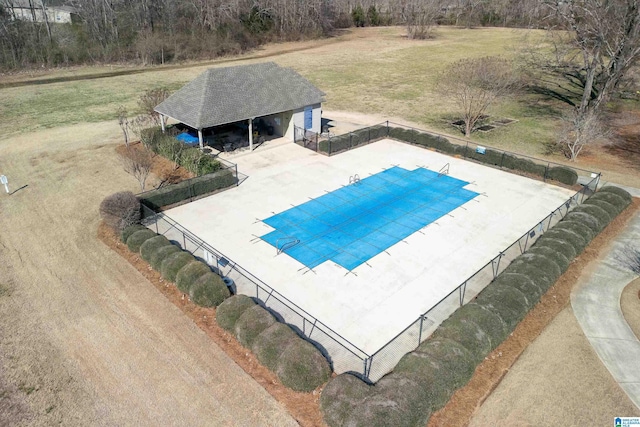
630	305
163	171
304	407
497	364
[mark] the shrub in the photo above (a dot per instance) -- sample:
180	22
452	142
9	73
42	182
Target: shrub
525	165
340	143
600	214
562	247
542	279
540	262
610	209
490	157
189	273
584	218
302	367
172	264
120	210
342	395
208	165
431	373
559	259
251	323
209	290
492	324
185	190
524	284
231	309
156	258
619	202
129	230
617	191
396	133
150	246
377	132
569	235
270	343
397	400
506	301
578	229
467	333
456	361
136	240
563	174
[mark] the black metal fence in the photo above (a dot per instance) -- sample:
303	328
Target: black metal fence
192	189
328	144
343	354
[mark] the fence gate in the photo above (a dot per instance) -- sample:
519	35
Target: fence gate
306	138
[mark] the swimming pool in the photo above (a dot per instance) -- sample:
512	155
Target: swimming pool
354	223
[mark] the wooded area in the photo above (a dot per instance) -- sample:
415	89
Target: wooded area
161	31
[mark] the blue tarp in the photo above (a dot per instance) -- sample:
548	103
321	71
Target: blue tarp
187	138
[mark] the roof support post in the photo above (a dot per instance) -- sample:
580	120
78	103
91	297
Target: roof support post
200	140
250	134
162	122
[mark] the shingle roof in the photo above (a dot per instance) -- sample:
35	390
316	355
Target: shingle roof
225	95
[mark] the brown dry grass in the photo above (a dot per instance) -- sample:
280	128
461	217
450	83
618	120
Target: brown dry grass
630	305
304	407
490	372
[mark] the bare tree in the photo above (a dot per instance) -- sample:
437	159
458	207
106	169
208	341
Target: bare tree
590	62
580	130
474	84
419	16
629	257
139	124
123	121
150	99
138	162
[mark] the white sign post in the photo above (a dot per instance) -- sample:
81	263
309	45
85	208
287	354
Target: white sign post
4	181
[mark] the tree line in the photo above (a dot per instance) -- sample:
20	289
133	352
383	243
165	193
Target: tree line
162	31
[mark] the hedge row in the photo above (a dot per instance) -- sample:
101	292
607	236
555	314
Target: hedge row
192	277
501	159
424	380
344	142
298	364
186	190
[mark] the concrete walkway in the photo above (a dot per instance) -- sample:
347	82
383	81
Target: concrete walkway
596	304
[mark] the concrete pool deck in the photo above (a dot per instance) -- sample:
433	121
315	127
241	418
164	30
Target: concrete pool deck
377	300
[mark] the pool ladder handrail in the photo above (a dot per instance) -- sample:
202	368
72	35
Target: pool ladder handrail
444	170
290	242
354	179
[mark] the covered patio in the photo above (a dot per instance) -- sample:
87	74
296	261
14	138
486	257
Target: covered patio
243	106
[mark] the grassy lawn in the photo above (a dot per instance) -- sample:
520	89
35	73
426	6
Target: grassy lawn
369	70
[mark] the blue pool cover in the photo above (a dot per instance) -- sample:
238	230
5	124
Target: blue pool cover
186	137
353	224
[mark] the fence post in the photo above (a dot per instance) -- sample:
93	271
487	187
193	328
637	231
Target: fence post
369	135
466	147
463	290
420	333
546	171
502	159
350	141
387	127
